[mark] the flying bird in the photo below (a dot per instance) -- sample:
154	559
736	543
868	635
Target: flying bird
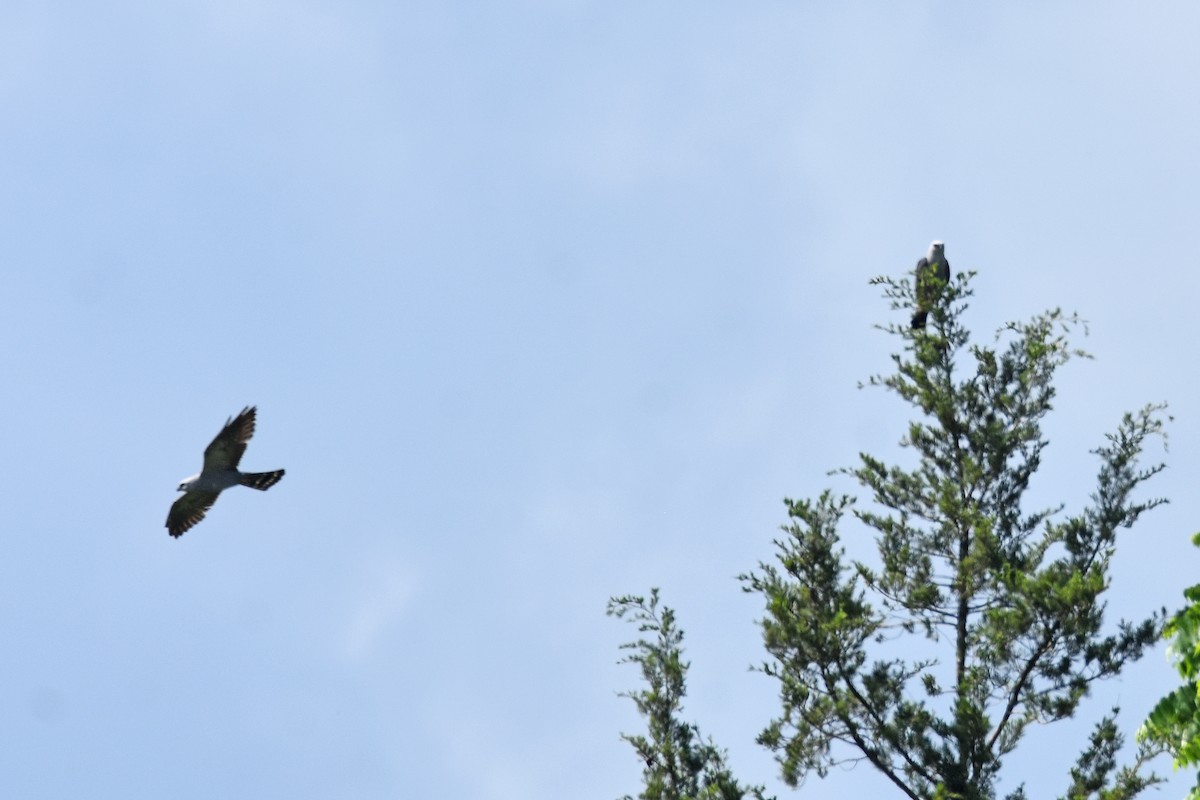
220	472
933	265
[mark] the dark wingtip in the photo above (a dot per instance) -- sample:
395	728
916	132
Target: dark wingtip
247	410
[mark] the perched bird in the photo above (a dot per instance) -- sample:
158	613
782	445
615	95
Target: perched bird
220	472
933	265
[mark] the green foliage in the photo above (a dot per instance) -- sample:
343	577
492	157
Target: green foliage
1007	603
679	764
1174	724
1095	775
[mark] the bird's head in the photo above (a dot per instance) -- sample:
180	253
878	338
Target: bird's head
186	483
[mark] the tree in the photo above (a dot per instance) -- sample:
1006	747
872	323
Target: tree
980	617
1174	724
679	763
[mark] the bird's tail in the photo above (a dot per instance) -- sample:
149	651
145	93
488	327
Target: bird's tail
260	480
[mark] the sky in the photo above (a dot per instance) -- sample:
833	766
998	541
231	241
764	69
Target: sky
540	303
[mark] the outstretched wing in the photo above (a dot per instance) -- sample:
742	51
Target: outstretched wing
188	510
226	449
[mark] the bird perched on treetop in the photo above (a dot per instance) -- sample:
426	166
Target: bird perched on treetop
934	265
220	472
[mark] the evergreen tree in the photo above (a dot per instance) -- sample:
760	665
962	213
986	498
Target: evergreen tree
980	617
679	763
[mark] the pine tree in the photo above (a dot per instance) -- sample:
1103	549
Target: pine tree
980	617
679	763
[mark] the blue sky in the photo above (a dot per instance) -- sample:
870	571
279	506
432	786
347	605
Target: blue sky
540	302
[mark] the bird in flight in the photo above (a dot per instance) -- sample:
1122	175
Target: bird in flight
220	472
933	265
